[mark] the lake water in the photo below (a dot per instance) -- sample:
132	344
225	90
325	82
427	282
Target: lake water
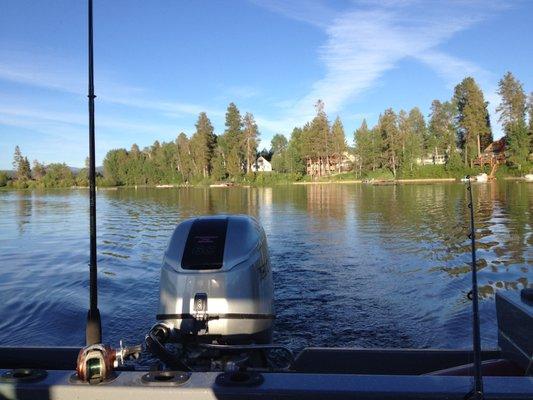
354	264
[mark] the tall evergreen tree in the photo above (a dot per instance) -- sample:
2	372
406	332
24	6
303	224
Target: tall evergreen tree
472	119
388	129
512	110
233	141
442	132
363	139
404	130
295	162
21	166
316	141
203	143
338	141
136	167
321	130
412	130
530	117
185	162
134	149
418	126
278	144
278	148
218	171
17	158
251	134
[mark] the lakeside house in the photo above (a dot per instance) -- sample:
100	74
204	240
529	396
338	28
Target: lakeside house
493	154
261	165
432	159
335	163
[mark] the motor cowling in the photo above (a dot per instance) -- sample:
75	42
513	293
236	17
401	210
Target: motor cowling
216	282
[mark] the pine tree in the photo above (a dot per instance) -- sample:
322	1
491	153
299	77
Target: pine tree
388	129
530	117
338	141
278	144
438	126
218	171
415	142
364	147
203	143
134	150
21	165
185	162
17	158
251	134
233	141
136	166
472	119
411	130
443	133
316	139
295	162
278	148
306	141
512	110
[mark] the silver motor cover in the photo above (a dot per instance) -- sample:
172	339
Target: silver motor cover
216	281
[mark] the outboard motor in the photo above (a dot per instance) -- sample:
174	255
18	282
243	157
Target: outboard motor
216	282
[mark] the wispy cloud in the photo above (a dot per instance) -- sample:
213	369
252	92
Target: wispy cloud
368	39
241	92
61	74
67	131
453	69
316	13
38	116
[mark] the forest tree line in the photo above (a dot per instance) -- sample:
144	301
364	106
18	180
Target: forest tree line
457	130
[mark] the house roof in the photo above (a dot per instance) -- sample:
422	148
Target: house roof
496	147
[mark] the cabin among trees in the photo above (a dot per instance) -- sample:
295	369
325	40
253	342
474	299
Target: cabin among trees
493	155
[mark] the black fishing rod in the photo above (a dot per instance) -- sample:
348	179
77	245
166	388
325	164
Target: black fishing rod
477	390
93	330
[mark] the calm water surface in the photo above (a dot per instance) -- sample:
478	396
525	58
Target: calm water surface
354	265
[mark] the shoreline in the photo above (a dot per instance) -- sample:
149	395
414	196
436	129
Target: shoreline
381	182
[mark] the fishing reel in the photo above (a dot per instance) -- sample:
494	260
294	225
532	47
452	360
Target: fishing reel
96	363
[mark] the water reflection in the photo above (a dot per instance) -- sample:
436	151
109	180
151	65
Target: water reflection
24	208
354	265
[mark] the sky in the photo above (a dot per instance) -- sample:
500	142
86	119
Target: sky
159	63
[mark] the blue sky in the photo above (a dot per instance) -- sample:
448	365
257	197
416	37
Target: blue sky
159	63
